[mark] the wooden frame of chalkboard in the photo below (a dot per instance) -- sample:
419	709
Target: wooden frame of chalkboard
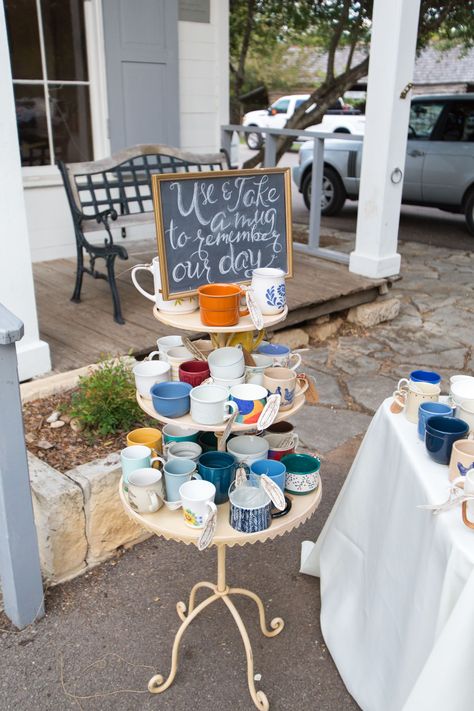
203	218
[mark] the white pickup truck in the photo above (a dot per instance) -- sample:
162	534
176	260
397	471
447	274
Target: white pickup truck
336	120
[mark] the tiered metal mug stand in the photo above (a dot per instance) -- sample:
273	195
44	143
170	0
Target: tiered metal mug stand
170	525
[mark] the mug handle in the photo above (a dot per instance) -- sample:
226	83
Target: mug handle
298	361
153	354
296	440
154	501
196	475
403	382
243	310
233	408
303	383
286	510
145	268
153	460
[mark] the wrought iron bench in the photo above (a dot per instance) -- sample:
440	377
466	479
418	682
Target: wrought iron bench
115	192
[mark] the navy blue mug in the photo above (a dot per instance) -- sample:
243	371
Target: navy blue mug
218	468
441	433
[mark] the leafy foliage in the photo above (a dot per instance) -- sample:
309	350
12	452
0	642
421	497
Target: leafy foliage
260	29
105	399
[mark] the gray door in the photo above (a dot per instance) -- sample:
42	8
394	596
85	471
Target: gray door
141	51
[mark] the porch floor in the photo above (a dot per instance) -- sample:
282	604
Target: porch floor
79	333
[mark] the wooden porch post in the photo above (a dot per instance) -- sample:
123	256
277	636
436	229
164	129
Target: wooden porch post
392	58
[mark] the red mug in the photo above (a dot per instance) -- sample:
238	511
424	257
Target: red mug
279	453
194	372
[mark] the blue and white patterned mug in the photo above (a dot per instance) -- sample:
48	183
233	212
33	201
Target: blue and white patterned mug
268	285
250	508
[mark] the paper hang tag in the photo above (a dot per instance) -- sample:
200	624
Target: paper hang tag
254	309
269	412
222	440
205	539
312	396
194	350
286	443
240	476
274	492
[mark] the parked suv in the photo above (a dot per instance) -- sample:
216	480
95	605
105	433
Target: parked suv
439	167
338	119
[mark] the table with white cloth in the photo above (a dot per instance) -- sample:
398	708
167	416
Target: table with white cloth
397	582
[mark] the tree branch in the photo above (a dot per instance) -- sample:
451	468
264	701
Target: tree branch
334	43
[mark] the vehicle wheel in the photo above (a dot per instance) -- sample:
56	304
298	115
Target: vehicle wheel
333	194
469	212
341	130
254	141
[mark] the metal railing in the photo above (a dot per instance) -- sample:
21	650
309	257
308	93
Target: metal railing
271	136
20	573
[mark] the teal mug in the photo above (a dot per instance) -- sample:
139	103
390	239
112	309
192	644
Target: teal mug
176	473
302	473
218	468
175	433
137	456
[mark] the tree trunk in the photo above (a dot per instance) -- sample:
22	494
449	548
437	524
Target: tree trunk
323	97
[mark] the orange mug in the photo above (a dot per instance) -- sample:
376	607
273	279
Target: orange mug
220	304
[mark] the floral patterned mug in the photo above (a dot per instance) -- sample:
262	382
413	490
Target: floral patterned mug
268	285
197	501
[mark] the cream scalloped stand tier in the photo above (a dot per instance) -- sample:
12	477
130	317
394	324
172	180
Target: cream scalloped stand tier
187	421
170	524
192	322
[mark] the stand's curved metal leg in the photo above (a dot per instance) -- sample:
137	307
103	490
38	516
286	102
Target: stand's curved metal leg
258	697
157	684
276	624
181	609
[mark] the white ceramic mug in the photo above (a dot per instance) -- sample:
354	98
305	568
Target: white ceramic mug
145	490
164	344
248	448
197	501
280	354
175	357
149	372
228	382
409	395
226	363
268	285
210	405
254	373
183	450
183	305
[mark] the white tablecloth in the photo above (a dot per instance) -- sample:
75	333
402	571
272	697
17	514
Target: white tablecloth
397	583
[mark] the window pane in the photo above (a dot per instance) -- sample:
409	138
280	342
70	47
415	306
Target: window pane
423	118
281	106
23	37
70	118
459	122
64	39
32	128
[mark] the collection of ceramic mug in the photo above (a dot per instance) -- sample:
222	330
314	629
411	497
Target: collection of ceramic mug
219	385
220	304
182	469
445	427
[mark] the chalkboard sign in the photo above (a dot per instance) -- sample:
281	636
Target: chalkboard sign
220	226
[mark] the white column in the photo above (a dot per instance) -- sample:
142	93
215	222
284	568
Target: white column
16	275
392	58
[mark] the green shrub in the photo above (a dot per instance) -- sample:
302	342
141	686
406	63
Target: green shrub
105	401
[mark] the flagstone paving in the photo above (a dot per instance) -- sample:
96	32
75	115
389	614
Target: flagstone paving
102	629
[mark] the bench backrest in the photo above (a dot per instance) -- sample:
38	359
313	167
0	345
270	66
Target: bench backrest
123	181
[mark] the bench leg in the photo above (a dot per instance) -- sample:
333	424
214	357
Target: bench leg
76	296
113	288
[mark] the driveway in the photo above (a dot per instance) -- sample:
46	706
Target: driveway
417	224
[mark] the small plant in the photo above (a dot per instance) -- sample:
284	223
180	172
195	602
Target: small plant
104	402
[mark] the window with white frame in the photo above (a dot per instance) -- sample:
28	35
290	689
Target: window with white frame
48	53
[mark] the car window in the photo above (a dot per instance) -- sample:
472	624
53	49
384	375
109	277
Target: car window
299	102
423	118
458	124
281	106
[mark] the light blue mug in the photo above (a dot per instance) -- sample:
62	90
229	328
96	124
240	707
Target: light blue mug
177	472
137	456
428	409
